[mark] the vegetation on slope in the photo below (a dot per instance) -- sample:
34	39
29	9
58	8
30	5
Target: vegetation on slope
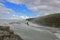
52	20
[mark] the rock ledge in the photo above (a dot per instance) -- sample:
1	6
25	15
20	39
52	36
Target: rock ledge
7	34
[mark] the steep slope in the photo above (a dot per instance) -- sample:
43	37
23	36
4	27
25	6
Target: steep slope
52	20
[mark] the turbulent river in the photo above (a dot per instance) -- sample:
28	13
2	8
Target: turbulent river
35	32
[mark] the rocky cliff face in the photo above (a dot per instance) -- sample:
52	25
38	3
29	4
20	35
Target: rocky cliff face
7	34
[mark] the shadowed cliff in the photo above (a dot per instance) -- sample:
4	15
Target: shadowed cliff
52	20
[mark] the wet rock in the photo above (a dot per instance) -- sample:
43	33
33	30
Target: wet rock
7	34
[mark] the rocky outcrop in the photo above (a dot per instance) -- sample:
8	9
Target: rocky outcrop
7	34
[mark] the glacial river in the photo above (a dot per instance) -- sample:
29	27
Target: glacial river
34	31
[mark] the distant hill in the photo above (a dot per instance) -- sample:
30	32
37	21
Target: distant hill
52	20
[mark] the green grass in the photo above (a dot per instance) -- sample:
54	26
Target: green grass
52	20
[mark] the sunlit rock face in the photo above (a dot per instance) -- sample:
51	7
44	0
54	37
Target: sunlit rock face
7	34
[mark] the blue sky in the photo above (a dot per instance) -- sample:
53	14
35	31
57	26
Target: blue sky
20	10
17	9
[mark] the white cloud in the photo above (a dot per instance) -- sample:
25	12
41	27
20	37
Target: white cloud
57	1
6	13
42	7
14	16
1	5
4	10
24	1
16	1
24	17
48	6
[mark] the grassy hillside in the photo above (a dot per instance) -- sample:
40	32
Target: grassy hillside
52	20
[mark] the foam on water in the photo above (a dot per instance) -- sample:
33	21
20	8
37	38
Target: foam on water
32	32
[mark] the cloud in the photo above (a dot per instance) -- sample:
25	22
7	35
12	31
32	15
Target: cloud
38	6
2	0
7	13
57	1
15	1
24	17
19	17
4	10
1	5
24	1
42	7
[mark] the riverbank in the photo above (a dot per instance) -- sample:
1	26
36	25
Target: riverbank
7	34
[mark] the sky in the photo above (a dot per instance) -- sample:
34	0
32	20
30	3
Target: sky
22	9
